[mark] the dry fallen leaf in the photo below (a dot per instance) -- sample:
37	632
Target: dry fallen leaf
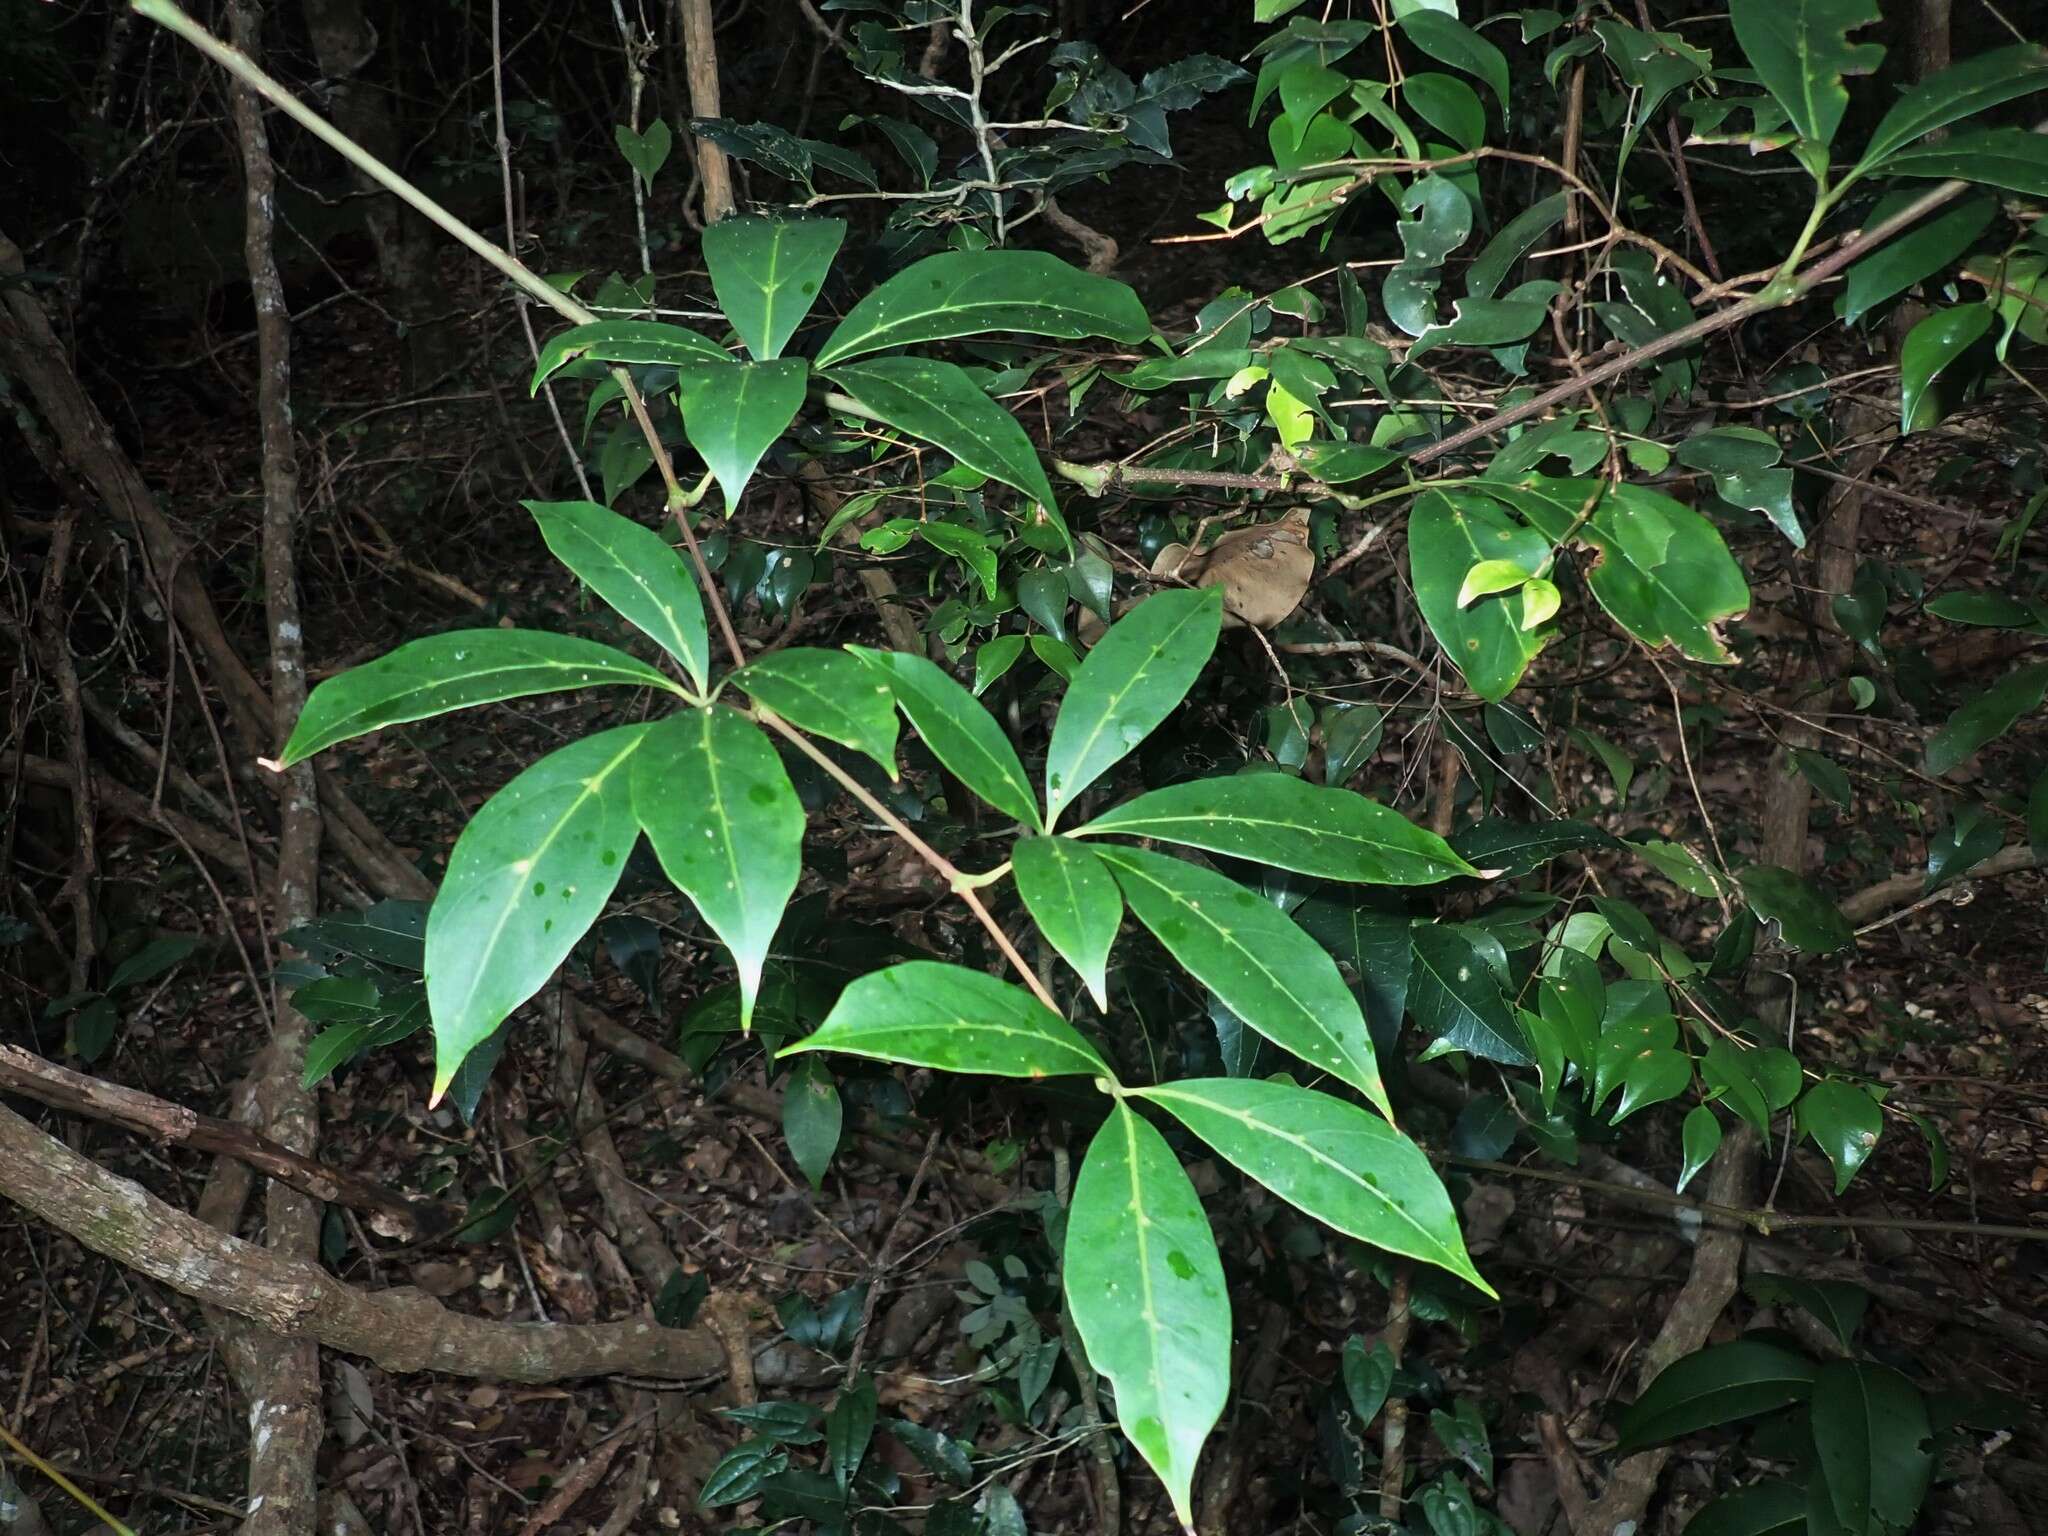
1264	570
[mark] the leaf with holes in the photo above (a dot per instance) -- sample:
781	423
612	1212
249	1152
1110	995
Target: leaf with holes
767	273
1801	50
1870	1434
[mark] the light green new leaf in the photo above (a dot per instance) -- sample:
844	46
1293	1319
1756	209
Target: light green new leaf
526	879
624	341
1713	1386
1975	85
2013	158
1276	819
1074	902
1844	1122
1457	1000
961	733
964	293
1145	1287
733	412
923	1013
767	273
1978	723
1134	677
635	570
829	694
1449	41
1345	1167
1256	959
1870	1434
719	810
465	667
1800	49
940	403
1449	534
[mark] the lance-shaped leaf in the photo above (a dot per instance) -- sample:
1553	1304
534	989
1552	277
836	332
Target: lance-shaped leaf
964	293
1449	534
525	881
961	733
1713	1386
1918	254
635	570
1134	677
923	1013
1663	572
733	412
1449	41
1145	1286
1800	49
625	341
1253	956
429	677
1457	1000
1978	723
719	810
1844	1122
767	273
829	694
940	403
1975	85
1074	902
2013	158
1276	819
1769	1508
1347	1168
1870	1434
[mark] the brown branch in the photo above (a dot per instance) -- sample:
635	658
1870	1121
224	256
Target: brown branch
55	641
1874	901
700	54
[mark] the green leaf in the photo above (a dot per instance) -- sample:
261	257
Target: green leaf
647	152
1449	534
965	293
1074	902
1489	577
2012	158
1266	970
1133	678
829	694
1342	1165
1146	1290
1368	1377
1449	41
634	570
526	879
1800	49
1276	819
454	671
1844	1122
1975	85
1914	256
718	808
1700	1139
1500	846
767	273
624	341
926	1014
1870	1434
1456	999
994	659
1931	350
960	732
1768	1508
811	1118
733	412
849	1426
1993	610
1335	463
1836	1303
1716	1385
741	1472
1985	718
1806	916
1733	1071
970	546
1516	239
1972	835
1663	573
159	955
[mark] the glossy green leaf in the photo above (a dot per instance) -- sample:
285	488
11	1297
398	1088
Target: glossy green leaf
1501	846
829	694
965	293
994	659
1378	948
1276	819
1993	610
1977	84
923	1013
767	273
1806	916
723	819
1801	49
1732	1071
465	667
1652	1077
1516	239
1368	1377
1335	463
1836	1303
1457	1000
1074	902
811	1118
1914	256
1663	572
1448	534
625	341
526	879
2014	159
1636	1027
960	732
634	570
1266	969
647	152
1133	678
733	412
849	1426
1928	361
1145	1287
1768	1508
1449	41
1716	1385
1844	1122
1985	718
1343	1165
1870	1434
1972	835
1699	1139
